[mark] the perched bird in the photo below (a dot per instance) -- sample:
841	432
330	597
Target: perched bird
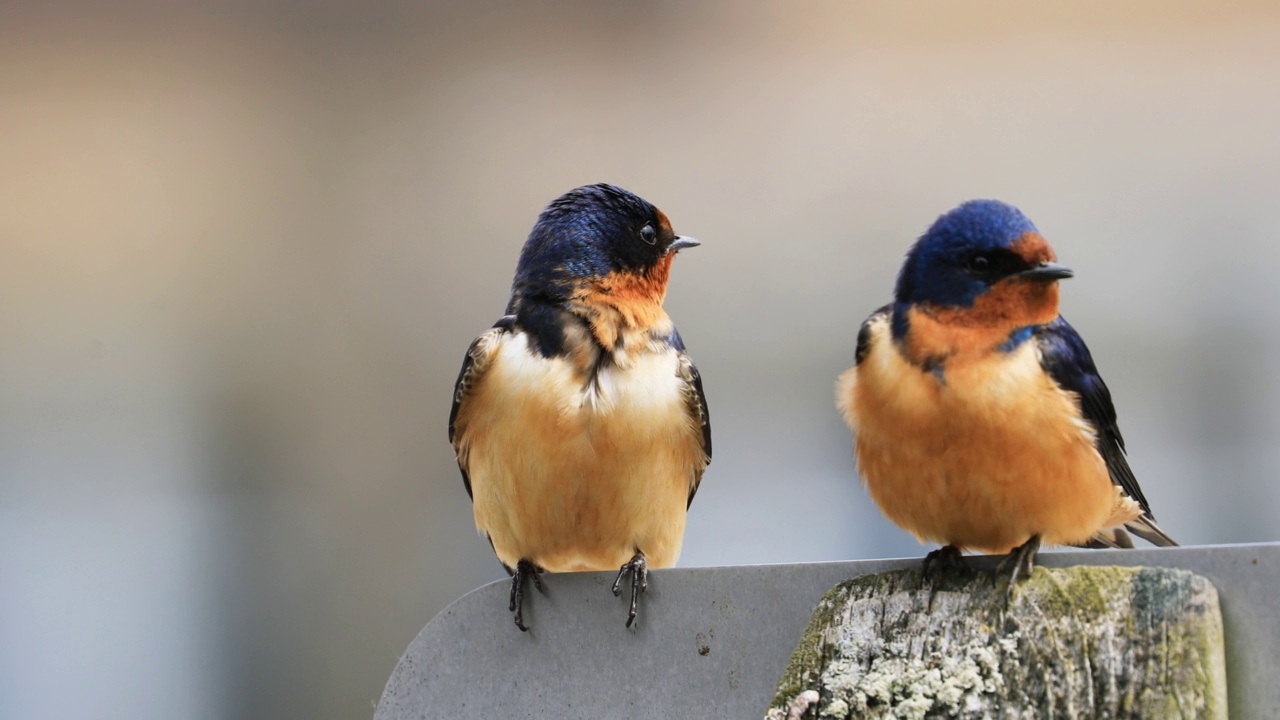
980	421
579	422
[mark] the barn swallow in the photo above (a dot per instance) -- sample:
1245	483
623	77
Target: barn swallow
980	420
579	422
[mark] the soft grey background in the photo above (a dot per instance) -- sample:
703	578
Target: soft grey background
243	247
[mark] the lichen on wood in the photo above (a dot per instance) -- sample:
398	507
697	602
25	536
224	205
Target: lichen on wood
1083	642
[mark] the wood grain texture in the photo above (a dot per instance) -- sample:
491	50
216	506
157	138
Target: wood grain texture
1080	642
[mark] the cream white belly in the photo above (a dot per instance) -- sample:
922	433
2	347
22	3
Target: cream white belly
574	479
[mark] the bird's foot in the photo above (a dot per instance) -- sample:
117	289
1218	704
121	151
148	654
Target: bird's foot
936	564
639	569
524	570
1020	563
947	557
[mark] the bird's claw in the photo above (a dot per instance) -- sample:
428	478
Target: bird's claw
639	569
524	570
945	558
937	563
1020	562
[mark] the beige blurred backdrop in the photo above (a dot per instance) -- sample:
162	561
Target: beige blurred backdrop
243	247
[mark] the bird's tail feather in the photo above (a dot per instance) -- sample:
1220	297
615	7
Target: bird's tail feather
1109	538
1147	529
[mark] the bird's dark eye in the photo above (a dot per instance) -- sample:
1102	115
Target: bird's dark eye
649	235
978	263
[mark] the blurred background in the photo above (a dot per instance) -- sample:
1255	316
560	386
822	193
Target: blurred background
244	245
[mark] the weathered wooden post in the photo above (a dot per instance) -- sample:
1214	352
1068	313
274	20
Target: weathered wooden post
1082	642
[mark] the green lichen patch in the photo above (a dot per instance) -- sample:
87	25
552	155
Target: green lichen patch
1138	642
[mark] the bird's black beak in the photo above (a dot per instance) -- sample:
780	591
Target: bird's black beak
1047	271
681	242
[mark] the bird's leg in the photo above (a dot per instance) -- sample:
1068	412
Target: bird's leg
524	570
1023	561
936	563
947	557
639	569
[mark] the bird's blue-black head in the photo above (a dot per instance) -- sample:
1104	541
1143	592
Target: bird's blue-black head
969	250
589	233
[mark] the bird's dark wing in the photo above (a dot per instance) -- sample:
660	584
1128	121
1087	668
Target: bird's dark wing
1066	358
696	402
474	366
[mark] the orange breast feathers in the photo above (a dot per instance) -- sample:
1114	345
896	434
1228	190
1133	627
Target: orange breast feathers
983	458
625	301
574	476
1010	304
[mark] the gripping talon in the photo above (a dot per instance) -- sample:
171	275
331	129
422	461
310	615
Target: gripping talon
1023	562
639	569
945	558
524	570
936	564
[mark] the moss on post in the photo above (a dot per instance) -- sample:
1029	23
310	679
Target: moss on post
1080	642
